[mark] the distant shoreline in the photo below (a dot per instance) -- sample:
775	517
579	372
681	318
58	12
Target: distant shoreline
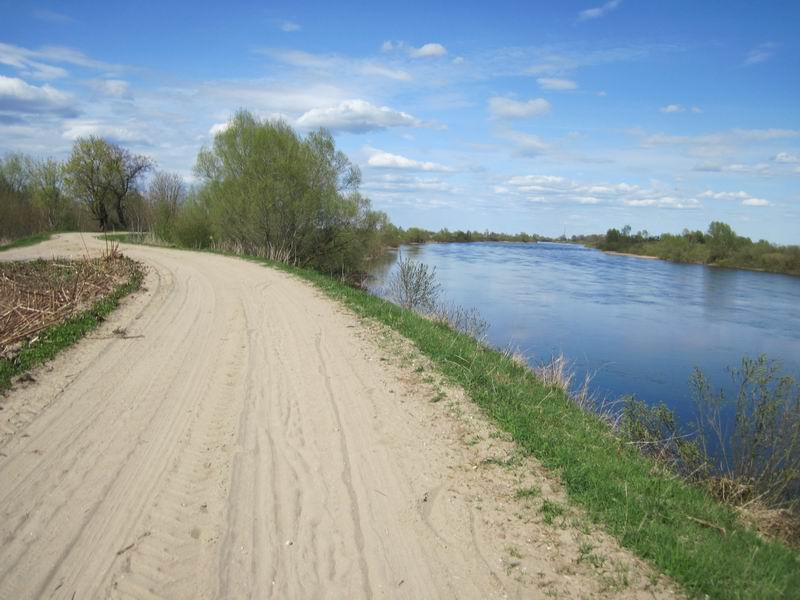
647	256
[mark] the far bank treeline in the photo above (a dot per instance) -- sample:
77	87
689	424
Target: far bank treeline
718	246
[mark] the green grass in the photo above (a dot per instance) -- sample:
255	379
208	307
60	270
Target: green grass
646	508
54	339
31	240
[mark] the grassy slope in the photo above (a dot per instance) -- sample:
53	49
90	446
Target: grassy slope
54	339
26	241
647	509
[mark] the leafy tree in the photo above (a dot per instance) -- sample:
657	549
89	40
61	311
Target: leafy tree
103	176
723	241
273	193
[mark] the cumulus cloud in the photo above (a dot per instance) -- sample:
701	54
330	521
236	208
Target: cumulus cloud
386	160
431	49
506	108
599	11
18	96
356	116
672	108
427	50
759	54
743	197
553	83
219	128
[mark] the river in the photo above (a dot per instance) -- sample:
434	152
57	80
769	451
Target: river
638	326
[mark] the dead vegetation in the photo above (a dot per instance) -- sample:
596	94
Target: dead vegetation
37	294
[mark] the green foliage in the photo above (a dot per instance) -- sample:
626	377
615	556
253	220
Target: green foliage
104	176
719	246
33	198
270	192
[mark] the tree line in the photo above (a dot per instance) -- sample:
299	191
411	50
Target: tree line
719	245
263	190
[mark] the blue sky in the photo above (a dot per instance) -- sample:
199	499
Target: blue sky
542	117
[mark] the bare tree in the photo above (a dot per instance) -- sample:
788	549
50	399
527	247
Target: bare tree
125	171
165	195
414	286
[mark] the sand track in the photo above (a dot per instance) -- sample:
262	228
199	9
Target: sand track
246	441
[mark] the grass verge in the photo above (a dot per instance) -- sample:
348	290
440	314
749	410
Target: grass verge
54	339
699	542
31	240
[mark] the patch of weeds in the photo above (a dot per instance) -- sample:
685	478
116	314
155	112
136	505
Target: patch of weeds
528	493
586	555
550	510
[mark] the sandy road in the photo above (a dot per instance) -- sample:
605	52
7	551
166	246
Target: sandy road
241	441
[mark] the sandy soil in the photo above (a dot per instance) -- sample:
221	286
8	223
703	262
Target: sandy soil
248	438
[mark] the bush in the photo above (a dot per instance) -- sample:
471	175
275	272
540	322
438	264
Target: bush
414	286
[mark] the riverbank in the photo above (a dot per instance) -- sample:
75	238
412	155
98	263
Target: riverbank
698	541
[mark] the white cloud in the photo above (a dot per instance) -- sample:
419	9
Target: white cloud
18	96
697	109
755	202
403	183
672	108
551	189
116	132
745	198
759	54
219	128
289	26
786	158
427	50
356	116
424	51
552	83
599	11
737	168
506	108
387	160
35	63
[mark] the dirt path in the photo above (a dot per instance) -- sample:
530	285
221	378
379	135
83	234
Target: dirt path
248	438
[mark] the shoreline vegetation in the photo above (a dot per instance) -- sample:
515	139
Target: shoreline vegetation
718	246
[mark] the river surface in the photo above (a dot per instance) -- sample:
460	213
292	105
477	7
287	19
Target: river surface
638	326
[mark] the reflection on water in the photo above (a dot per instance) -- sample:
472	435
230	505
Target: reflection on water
640	326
